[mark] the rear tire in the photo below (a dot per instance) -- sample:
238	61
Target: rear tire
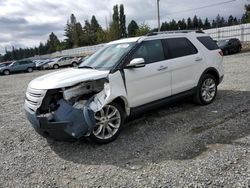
6	72
109	123
55	66
206	90
74	64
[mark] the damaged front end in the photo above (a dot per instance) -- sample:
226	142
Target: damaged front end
67	113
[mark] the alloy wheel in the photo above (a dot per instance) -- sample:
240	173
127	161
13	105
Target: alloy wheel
208	90
108	122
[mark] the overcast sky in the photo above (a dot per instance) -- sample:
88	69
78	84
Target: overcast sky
24	23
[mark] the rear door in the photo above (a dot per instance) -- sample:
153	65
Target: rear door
18	66
152	82
186	63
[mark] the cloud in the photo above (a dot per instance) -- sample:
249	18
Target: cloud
27	22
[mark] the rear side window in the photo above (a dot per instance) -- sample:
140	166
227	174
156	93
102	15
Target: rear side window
208	42
179	47
150	51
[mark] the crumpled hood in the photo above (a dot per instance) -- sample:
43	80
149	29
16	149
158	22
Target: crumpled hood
66	77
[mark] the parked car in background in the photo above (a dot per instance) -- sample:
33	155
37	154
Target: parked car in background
18	66
60	62
40	64
230	46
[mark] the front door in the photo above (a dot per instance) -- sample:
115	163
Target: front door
152	82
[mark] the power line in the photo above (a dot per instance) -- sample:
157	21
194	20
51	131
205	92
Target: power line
207	6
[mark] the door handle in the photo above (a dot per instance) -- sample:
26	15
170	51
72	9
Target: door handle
198	59
161	68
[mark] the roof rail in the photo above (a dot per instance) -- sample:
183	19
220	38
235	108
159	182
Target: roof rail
174	31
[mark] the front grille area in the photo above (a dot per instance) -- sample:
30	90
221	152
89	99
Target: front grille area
34	98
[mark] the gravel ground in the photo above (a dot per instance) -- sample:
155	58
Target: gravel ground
180	145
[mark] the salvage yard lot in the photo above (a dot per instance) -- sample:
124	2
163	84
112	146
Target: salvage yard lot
182	144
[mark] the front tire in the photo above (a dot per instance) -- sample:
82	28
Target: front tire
206	90
109	122
6	72
55	66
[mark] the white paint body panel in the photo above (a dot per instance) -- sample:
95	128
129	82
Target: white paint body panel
148	83
66	77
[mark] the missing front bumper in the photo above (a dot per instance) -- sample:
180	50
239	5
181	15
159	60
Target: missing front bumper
68	122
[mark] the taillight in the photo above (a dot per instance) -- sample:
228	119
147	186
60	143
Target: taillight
221	53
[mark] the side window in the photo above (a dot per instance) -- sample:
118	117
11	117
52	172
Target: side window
208	43
151	51
179	47
19	63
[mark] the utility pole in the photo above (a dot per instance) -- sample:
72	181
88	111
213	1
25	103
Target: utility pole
158	11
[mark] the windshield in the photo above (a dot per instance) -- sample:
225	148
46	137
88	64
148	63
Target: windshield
222	42
107	57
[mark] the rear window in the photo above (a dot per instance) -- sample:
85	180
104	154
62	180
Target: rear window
208	43
179	47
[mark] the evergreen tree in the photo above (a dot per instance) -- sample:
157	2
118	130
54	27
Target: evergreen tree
214	24
122	23
182	24
132	27
207	24
247	8
200	24
53	43
236	22
230	20
73	32
189	23
195	22
114	32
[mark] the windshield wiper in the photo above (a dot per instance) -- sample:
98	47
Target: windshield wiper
86	67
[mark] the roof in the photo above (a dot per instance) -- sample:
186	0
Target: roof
159	35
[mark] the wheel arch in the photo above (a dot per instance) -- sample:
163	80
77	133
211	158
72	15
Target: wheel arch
122	101
6	70
212	71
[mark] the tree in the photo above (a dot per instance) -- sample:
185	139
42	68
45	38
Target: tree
200	24
165	26
235	22
189	23
214	24
122	22
73	32
114	32
230	20
143	30
182	24
247	8
195	22
53	43
94	25
132	27
207	24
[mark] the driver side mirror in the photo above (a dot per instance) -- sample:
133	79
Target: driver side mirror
136	63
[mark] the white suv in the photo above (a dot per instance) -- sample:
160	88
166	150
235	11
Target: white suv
124	77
